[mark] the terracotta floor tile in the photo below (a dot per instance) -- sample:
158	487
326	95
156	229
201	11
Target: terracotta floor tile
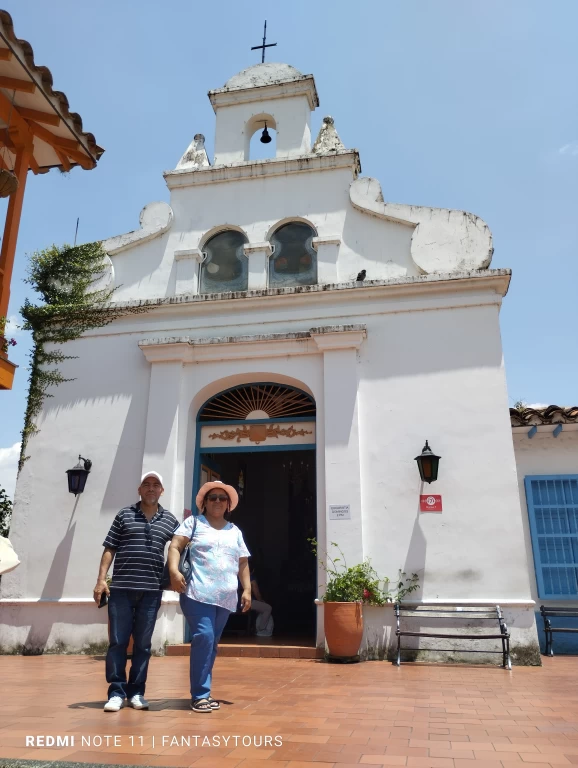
476	745
430	762
365	749
301	764
452	753
461	763
216	762
407	751
426	743
337	757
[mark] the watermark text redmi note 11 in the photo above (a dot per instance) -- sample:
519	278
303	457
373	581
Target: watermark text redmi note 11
102	741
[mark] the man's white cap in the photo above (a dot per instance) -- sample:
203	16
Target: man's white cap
152	474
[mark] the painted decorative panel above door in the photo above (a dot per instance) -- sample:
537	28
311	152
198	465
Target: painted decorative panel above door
271	434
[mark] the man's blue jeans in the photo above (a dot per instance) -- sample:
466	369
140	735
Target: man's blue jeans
130	612
206	623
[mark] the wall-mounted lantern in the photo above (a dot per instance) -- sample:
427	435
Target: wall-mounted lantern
428	464
77	476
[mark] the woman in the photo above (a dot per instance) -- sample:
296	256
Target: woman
219	557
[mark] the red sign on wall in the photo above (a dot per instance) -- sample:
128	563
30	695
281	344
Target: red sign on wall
430	503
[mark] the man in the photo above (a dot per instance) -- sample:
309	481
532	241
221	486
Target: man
136	542
264	624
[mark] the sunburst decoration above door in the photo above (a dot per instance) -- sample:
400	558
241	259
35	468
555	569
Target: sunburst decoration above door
258	401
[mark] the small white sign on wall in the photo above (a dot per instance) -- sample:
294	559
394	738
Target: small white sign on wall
339	512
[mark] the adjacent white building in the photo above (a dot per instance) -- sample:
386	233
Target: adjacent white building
546	448
303	338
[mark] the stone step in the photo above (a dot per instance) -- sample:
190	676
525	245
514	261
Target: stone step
255	651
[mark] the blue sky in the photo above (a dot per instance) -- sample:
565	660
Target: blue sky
450	103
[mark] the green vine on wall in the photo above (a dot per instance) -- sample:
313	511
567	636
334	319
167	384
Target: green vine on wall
65	277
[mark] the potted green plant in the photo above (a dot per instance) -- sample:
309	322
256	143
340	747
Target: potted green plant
347	589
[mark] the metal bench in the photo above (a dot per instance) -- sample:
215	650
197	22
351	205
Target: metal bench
488	617
550	612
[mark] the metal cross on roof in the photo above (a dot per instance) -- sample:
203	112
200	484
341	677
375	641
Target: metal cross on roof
264	44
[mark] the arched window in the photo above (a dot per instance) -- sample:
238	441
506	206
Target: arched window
294	261
225	267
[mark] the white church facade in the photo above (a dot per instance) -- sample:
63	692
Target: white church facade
302	340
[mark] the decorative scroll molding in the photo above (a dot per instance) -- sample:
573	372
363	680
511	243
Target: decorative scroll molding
154	219
442	241
259	433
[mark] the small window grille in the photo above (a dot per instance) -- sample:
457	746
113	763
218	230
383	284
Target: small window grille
265	401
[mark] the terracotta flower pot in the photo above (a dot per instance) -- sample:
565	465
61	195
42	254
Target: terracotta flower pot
343	628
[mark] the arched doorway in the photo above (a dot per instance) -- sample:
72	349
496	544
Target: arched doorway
260	438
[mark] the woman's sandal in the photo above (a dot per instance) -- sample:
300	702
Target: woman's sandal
201	705
213	703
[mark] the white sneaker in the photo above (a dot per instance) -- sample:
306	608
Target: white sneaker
138	702
114	704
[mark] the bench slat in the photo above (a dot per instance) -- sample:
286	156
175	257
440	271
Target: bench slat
403	633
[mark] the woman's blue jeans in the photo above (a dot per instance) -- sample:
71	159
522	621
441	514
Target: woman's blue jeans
130	612
206	623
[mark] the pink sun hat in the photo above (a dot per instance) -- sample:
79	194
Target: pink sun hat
220	486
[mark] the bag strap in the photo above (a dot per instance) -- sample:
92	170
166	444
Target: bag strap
194	528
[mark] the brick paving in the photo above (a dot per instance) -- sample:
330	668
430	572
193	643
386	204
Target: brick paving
421	716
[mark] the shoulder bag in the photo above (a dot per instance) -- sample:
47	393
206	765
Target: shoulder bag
185	563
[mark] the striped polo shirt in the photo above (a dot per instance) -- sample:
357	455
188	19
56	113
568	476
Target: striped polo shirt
140	555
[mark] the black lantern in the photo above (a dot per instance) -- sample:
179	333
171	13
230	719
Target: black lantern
77	476
428	463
